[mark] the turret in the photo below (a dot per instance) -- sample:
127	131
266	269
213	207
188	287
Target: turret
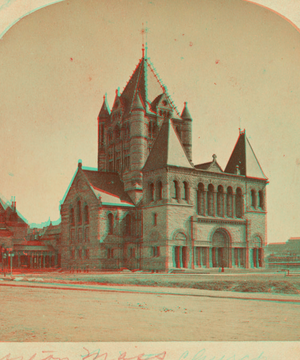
138	148
103	116
186	133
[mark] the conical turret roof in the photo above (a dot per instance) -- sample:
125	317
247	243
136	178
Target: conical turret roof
167	150
185	112
104	111
245	159
137	102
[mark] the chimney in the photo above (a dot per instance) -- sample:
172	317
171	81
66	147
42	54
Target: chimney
13	203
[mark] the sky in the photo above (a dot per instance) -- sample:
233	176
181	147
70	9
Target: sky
236	64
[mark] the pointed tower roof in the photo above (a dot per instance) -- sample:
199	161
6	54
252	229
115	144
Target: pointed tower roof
137	102
243	158
167	150
185	112
146	81
104	112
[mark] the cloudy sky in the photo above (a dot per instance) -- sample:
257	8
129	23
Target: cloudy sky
236	64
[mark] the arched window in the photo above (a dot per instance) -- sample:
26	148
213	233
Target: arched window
229	202
110	223
79	217
159	190
253	198
185	191
151	192
128	225
72	217
154	219
239	203
175	190
200	200
210	200
220	201
86	214
261	199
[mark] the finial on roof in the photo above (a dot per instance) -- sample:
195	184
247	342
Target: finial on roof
79	164
144	46
214	157
185	112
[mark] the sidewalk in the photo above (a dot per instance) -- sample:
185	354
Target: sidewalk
39	283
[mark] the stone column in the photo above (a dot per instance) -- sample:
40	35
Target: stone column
231	251
262	257
224	205
18	260
173	256
233	257
180	257
207	257
215	203
44	260
201	256
31	261
233	206
210	263
205	202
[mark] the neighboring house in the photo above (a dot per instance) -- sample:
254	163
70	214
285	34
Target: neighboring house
147	206
31	248
13	229
283	255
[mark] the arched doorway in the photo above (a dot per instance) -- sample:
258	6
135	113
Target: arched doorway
220	249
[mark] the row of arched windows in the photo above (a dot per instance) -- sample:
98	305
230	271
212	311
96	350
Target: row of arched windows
219	203
127	224
155	191
212	202
76	214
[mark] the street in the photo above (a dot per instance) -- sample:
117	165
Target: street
41	314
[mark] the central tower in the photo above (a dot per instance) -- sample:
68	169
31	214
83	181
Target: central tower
127	132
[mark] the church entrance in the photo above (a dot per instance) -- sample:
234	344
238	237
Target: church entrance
220	250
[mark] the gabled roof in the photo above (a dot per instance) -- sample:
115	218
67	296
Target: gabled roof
167	150
146	81
243	156
212	166
109	187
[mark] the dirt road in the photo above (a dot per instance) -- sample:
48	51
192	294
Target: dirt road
37	314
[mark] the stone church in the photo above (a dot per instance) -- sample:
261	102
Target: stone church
147	206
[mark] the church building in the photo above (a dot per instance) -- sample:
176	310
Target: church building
147	206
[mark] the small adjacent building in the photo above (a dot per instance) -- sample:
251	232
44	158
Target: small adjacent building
25	248
283	255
